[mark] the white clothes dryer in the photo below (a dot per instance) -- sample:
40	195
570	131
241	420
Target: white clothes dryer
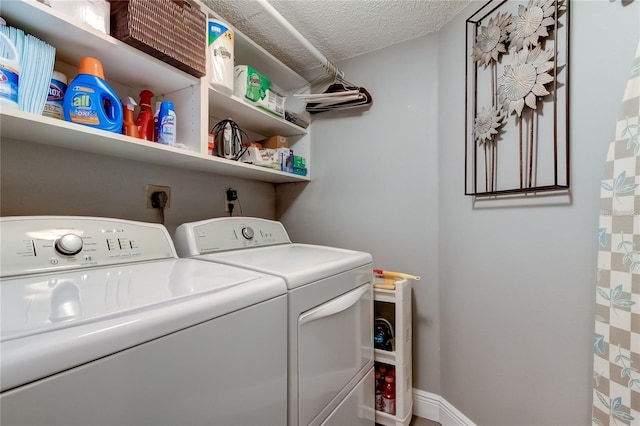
330	304
102	324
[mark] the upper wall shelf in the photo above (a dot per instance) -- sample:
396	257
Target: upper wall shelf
247	115
73	40
248	52
50	131
130	70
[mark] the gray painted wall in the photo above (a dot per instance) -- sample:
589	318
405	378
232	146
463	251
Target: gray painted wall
375	182
503	318
517	282
38	179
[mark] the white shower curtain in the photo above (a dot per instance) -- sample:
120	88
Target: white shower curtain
616	375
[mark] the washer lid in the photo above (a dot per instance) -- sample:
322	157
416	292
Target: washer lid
298	264
40	304
54	322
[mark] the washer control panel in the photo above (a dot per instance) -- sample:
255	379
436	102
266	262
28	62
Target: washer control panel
232	233
43	243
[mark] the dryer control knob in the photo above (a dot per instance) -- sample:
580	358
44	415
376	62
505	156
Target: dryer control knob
69	244
247	232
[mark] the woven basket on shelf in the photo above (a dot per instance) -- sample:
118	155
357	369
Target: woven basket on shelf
173	31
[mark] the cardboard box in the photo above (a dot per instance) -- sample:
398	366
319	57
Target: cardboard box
299	162
286	159
275	142
300	171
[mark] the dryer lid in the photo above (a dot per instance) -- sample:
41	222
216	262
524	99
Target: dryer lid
297	264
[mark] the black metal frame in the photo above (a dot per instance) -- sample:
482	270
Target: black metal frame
560	182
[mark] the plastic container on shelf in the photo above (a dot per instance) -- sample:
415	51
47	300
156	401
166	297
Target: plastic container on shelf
54	107
389	395
144	121
9	72
90	101
129	125
167	124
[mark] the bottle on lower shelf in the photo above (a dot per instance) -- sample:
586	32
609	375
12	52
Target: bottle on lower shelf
389	396
385	388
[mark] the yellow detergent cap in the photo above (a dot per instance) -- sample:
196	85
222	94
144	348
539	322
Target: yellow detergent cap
91	66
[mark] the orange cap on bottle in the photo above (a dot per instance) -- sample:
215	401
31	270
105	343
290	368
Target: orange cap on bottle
91	66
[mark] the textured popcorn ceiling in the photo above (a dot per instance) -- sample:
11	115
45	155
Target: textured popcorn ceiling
339	29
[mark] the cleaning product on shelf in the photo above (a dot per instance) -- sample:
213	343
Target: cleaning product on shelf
35	61
129	126
220	49
167	124
90	101
155	121
145	116
9	71
54	107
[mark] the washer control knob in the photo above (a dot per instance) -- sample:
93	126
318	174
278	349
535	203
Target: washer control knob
69	244
247	232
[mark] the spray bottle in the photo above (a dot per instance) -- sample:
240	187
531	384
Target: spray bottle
129	125
167	124
145	117
155	121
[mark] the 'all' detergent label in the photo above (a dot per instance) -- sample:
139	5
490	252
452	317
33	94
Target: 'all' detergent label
9	83
55	100
83	108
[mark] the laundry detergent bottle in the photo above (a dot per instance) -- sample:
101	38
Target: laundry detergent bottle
90	101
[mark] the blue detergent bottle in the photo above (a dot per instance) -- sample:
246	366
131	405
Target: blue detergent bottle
90	101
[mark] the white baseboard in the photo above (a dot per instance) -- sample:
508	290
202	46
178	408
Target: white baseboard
434	407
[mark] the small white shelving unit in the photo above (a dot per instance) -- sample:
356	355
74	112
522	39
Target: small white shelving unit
128	71
395	307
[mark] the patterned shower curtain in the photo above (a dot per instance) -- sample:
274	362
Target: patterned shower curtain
616	375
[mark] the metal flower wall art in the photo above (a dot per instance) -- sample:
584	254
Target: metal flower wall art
517	98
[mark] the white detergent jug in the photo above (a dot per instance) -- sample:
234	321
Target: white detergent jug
9	72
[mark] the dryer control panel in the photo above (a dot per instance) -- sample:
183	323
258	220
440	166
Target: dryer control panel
232	233
37	244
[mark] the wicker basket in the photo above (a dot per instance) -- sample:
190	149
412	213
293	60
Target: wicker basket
173	31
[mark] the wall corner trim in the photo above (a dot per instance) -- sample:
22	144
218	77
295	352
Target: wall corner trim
434	407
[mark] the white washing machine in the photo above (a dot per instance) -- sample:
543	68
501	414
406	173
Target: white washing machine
330	303
102	324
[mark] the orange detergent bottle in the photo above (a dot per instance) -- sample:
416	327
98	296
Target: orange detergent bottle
129	125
